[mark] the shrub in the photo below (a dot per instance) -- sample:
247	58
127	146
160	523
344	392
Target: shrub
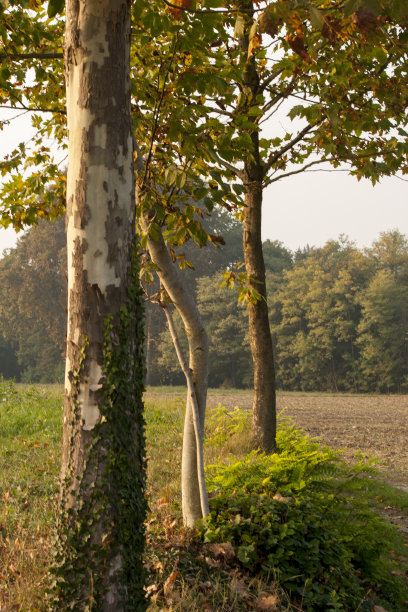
286	517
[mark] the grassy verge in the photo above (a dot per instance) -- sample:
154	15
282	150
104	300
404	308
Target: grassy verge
30	422
184	573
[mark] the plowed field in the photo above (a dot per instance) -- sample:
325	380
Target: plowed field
375	425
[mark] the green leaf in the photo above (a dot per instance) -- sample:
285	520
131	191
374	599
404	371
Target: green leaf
55	7
181	180
239	26
372	5
316	17
351	6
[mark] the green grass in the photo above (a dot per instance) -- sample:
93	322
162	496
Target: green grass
30	432
184	573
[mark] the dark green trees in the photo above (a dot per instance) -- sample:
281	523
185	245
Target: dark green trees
32	304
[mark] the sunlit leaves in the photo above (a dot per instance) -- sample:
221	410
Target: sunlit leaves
55	7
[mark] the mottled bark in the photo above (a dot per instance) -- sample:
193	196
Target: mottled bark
100	238
198	364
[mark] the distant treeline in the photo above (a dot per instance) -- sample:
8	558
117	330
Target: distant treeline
339	315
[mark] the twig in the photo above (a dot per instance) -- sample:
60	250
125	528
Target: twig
23	56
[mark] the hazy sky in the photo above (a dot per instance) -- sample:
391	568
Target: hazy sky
304	209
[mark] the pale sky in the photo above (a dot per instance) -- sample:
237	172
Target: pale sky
303	209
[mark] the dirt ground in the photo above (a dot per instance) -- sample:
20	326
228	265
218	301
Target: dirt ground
375	425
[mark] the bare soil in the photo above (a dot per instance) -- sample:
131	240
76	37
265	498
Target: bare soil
373	425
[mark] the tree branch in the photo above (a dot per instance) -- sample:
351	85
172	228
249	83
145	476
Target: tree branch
231	168
302	169
211	11
23	56
35	110
274	158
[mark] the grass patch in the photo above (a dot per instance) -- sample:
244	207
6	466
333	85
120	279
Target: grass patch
185	573
30	432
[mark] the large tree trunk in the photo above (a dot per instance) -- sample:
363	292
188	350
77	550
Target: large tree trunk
169	275
264	404
98	564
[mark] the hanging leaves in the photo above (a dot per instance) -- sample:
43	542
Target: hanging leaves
177	13
254	44
297	43
269	24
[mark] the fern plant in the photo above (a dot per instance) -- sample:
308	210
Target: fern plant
286	517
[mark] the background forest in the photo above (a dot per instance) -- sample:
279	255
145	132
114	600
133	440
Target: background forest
339	315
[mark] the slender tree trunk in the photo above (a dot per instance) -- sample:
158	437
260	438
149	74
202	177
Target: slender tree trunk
148	345
199	434
264	403
198	364
98	564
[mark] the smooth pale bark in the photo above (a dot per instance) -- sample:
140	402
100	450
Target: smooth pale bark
199	434
100	238
198	364
264	403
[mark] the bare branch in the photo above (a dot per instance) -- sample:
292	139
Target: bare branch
302	169
231	168
211	11
273	158
35	110
23	56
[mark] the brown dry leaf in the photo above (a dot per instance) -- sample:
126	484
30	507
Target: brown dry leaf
365	21
158	566
268	24
268	602
331	28
254	44
205	585
238	587
168	586
173	576
379	609
212	562
152	588
280	498
223	549
176	13
297	43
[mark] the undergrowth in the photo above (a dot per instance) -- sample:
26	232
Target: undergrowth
287	517
289	532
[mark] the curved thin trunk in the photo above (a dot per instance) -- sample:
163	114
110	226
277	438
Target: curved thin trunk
198	364
199	434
